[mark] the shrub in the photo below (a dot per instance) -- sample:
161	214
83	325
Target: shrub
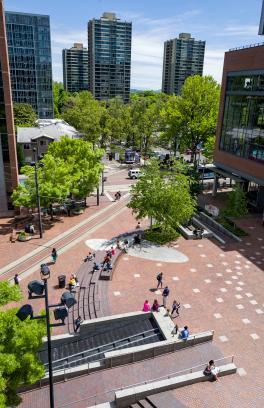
160	235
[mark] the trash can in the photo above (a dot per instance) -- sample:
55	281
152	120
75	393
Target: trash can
62	281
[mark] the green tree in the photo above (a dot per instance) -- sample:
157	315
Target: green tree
209	147
24	115
145	112
164	196
84	113
69	166
20	156
170	117
198	109
83	164
19	343
236	205
54	184
60	98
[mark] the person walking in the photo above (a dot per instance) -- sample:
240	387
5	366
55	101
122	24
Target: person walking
160	279
175	308
78	323
54	255
16	279
165	295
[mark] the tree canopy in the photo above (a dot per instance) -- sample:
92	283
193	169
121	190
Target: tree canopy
69	166
184	121
84	113
19	343
236	205
164	196
60	98
198	109
24	115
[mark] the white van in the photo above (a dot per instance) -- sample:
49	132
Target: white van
134	173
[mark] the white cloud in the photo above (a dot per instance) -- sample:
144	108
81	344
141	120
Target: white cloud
239	30
213	63
148	41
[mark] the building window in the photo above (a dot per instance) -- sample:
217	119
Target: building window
27	146
43	142
243	123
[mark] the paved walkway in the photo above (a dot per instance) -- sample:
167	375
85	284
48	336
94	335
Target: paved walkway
219	287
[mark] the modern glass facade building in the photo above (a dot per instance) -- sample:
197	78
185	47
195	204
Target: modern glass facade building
261	23
109	57
29	48
243	123
183	57
239	151
75	68
8	158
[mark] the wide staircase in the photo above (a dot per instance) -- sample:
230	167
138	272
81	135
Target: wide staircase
92	347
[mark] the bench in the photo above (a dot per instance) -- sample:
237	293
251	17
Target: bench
125	398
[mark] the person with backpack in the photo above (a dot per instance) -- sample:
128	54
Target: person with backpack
165	295
160	280
175	308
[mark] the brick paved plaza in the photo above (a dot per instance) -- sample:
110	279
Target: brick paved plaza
219	287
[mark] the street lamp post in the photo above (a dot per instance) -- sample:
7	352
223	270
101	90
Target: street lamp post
67	301
97	195
102	193
34	164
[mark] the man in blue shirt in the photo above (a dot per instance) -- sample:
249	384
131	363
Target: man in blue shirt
184	333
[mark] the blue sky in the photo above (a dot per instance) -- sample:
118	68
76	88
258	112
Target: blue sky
223	24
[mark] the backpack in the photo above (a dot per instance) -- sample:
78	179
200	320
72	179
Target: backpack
159	277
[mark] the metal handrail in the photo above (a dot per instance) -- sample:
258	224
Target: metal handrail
242	47
190	370
95	396
94	335
95	354
191	337
105	345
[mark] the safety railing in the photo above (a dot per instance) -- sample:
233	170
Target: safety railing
191	343
110	394
85	355
242	47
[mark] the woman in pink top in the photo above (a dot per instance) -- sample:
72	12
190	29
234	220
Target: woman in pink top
146	306
113	251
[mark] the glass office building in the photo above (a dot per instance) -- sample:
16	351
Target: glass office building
239	150
183	57
29	48
75	68
243	122
8	158
109	57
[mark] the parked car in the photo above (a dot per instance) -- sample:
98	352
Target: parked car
134	173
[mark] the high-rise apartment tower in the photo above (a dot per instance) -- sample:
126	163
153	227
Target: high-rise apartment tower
8	158
75	68
109	57
29	48
183	57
